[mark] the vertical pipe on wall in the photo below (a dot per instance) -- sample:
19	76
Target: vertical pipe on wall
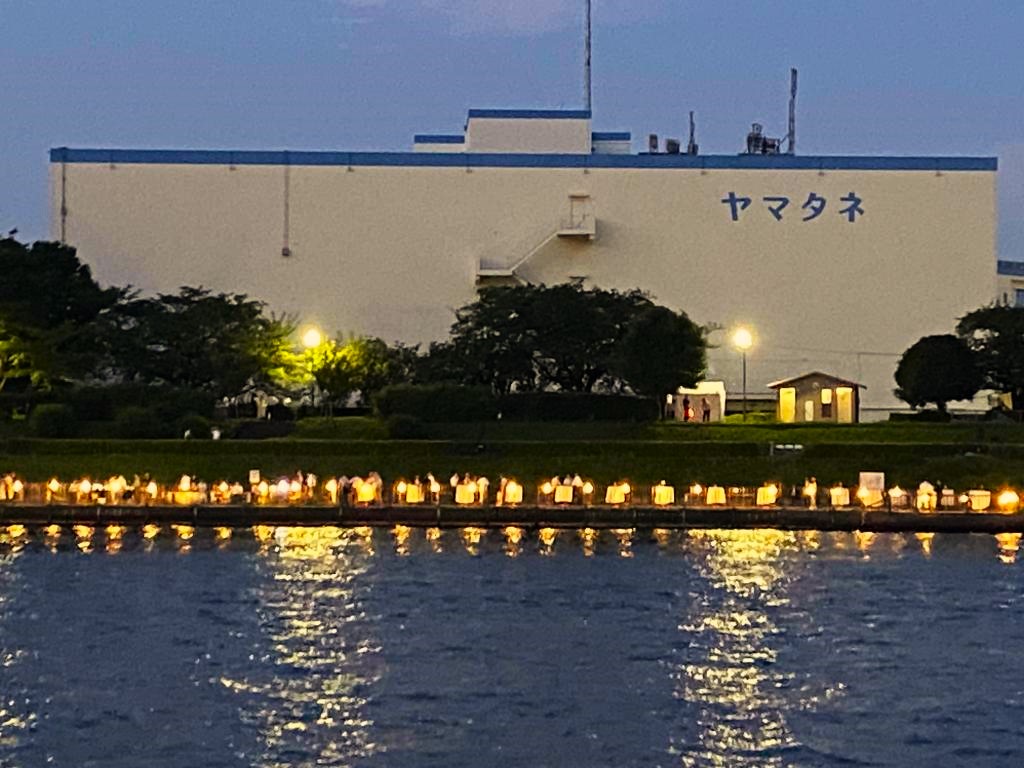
286	250
586	60
64	197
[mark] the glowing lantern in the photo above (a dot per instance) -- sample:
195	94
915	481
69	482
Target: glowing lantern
563	494
663	494
616	493
331	489
365	493
465	493
1008	501
85	487
767	495
979	500
898	497
185	484
839	496
414	494
926	498
152	490
513	494
716	496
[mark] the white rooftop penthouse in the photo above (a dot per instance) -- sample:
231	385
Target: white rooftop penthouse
528	132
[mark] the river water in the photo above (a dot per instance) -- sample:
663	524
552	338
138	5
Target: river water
328	647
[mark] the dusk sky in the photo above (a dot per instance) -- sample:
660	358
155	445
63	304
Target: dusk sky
876	77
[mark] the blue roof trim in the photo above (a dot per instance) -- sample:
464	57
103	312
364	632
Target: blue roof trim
485	160
611	136
438	138
531	114
1011	268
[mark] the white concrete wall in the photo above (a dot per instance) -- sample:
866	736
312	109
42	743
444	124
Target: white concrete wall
533	136
427	146
391	251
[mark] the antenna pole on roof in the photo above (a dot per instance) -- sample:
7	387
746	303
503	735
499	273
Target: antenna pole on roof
586	60
791	149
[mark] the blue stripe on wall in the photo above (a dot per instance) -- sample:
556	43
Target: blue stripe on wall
531	114
611	136
1011	268
438	138
483	160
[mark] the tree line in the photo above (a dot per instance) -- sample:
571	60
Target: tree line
986	352
62	333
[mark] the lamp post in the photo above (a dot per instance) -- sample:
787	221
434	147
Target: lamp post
311	339
743	340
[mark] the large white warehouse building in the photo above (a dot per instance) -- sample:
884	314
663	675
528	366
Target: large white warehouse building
837	263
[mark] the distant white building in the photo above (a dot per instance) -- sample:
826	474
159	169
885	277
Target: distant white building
837	263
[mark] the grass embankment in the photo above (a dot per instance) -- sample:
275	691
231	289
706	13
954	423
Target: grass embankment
958	455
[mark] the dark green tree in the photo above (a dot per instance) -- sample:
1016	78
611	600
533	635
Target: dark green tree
937	369
661	351
199	340
577	331
361	364
996	335
54	317
536	337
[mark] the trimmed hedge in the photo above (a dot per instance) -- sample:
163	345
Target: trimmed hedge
437	402
53	420
577	406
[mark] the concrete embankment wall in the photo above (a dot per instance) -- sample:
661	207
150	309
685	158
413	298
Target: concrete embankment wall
879	521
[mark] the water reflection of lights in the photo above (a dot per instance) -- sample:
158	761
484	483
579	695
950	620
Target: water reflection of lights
435	539
588	540
1009	545
17	721
325	660
547	538
471	538
401	534
513	538
728	671
926	540
625	537
864	540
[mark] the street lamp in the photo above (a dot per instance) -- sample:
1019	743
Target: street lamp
743	340
311	338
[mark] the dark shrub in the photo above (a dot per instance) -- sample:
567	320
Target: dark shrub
577	406
54	420
402	426
437	402
134	422
197	427
92	403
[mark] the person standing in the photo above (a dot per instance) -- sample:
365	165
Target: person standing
705	407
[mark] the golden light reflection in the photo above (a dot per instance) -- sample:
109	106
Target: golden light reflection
435	540
588	540
625	537
729	665
513	539
184	532
864	540
547	538
1009	545
150	531
401	534
926	540
471	538
320	641
222	534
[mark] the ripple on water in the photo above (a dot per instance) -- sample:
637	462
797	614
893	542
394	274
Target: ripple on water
334	647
